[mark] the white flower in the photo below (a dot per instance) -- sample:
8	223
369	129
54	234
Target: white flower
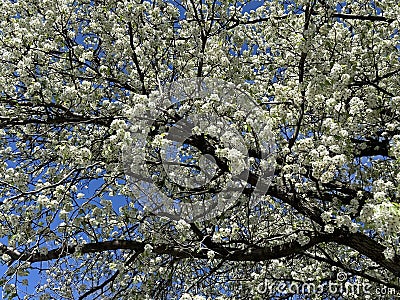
326	216
186	296
210	254
118	124
344	220
353	228
356	105
379	196
302	239
80	195
182	225
326	177
212	130
148	248
329	228
43	200
236	159
6	257
336	70
389	253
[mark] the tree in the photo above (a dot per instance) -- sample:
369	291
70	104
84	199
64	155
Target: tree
325	78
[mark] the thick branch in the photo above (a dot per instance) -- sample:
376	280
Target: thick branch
334	15
372	249
357	241
363	18
14	254
232	254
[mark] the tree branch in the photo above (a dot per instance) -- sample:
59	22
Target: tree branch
357	241
112	278
372	249
363	18
232	254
